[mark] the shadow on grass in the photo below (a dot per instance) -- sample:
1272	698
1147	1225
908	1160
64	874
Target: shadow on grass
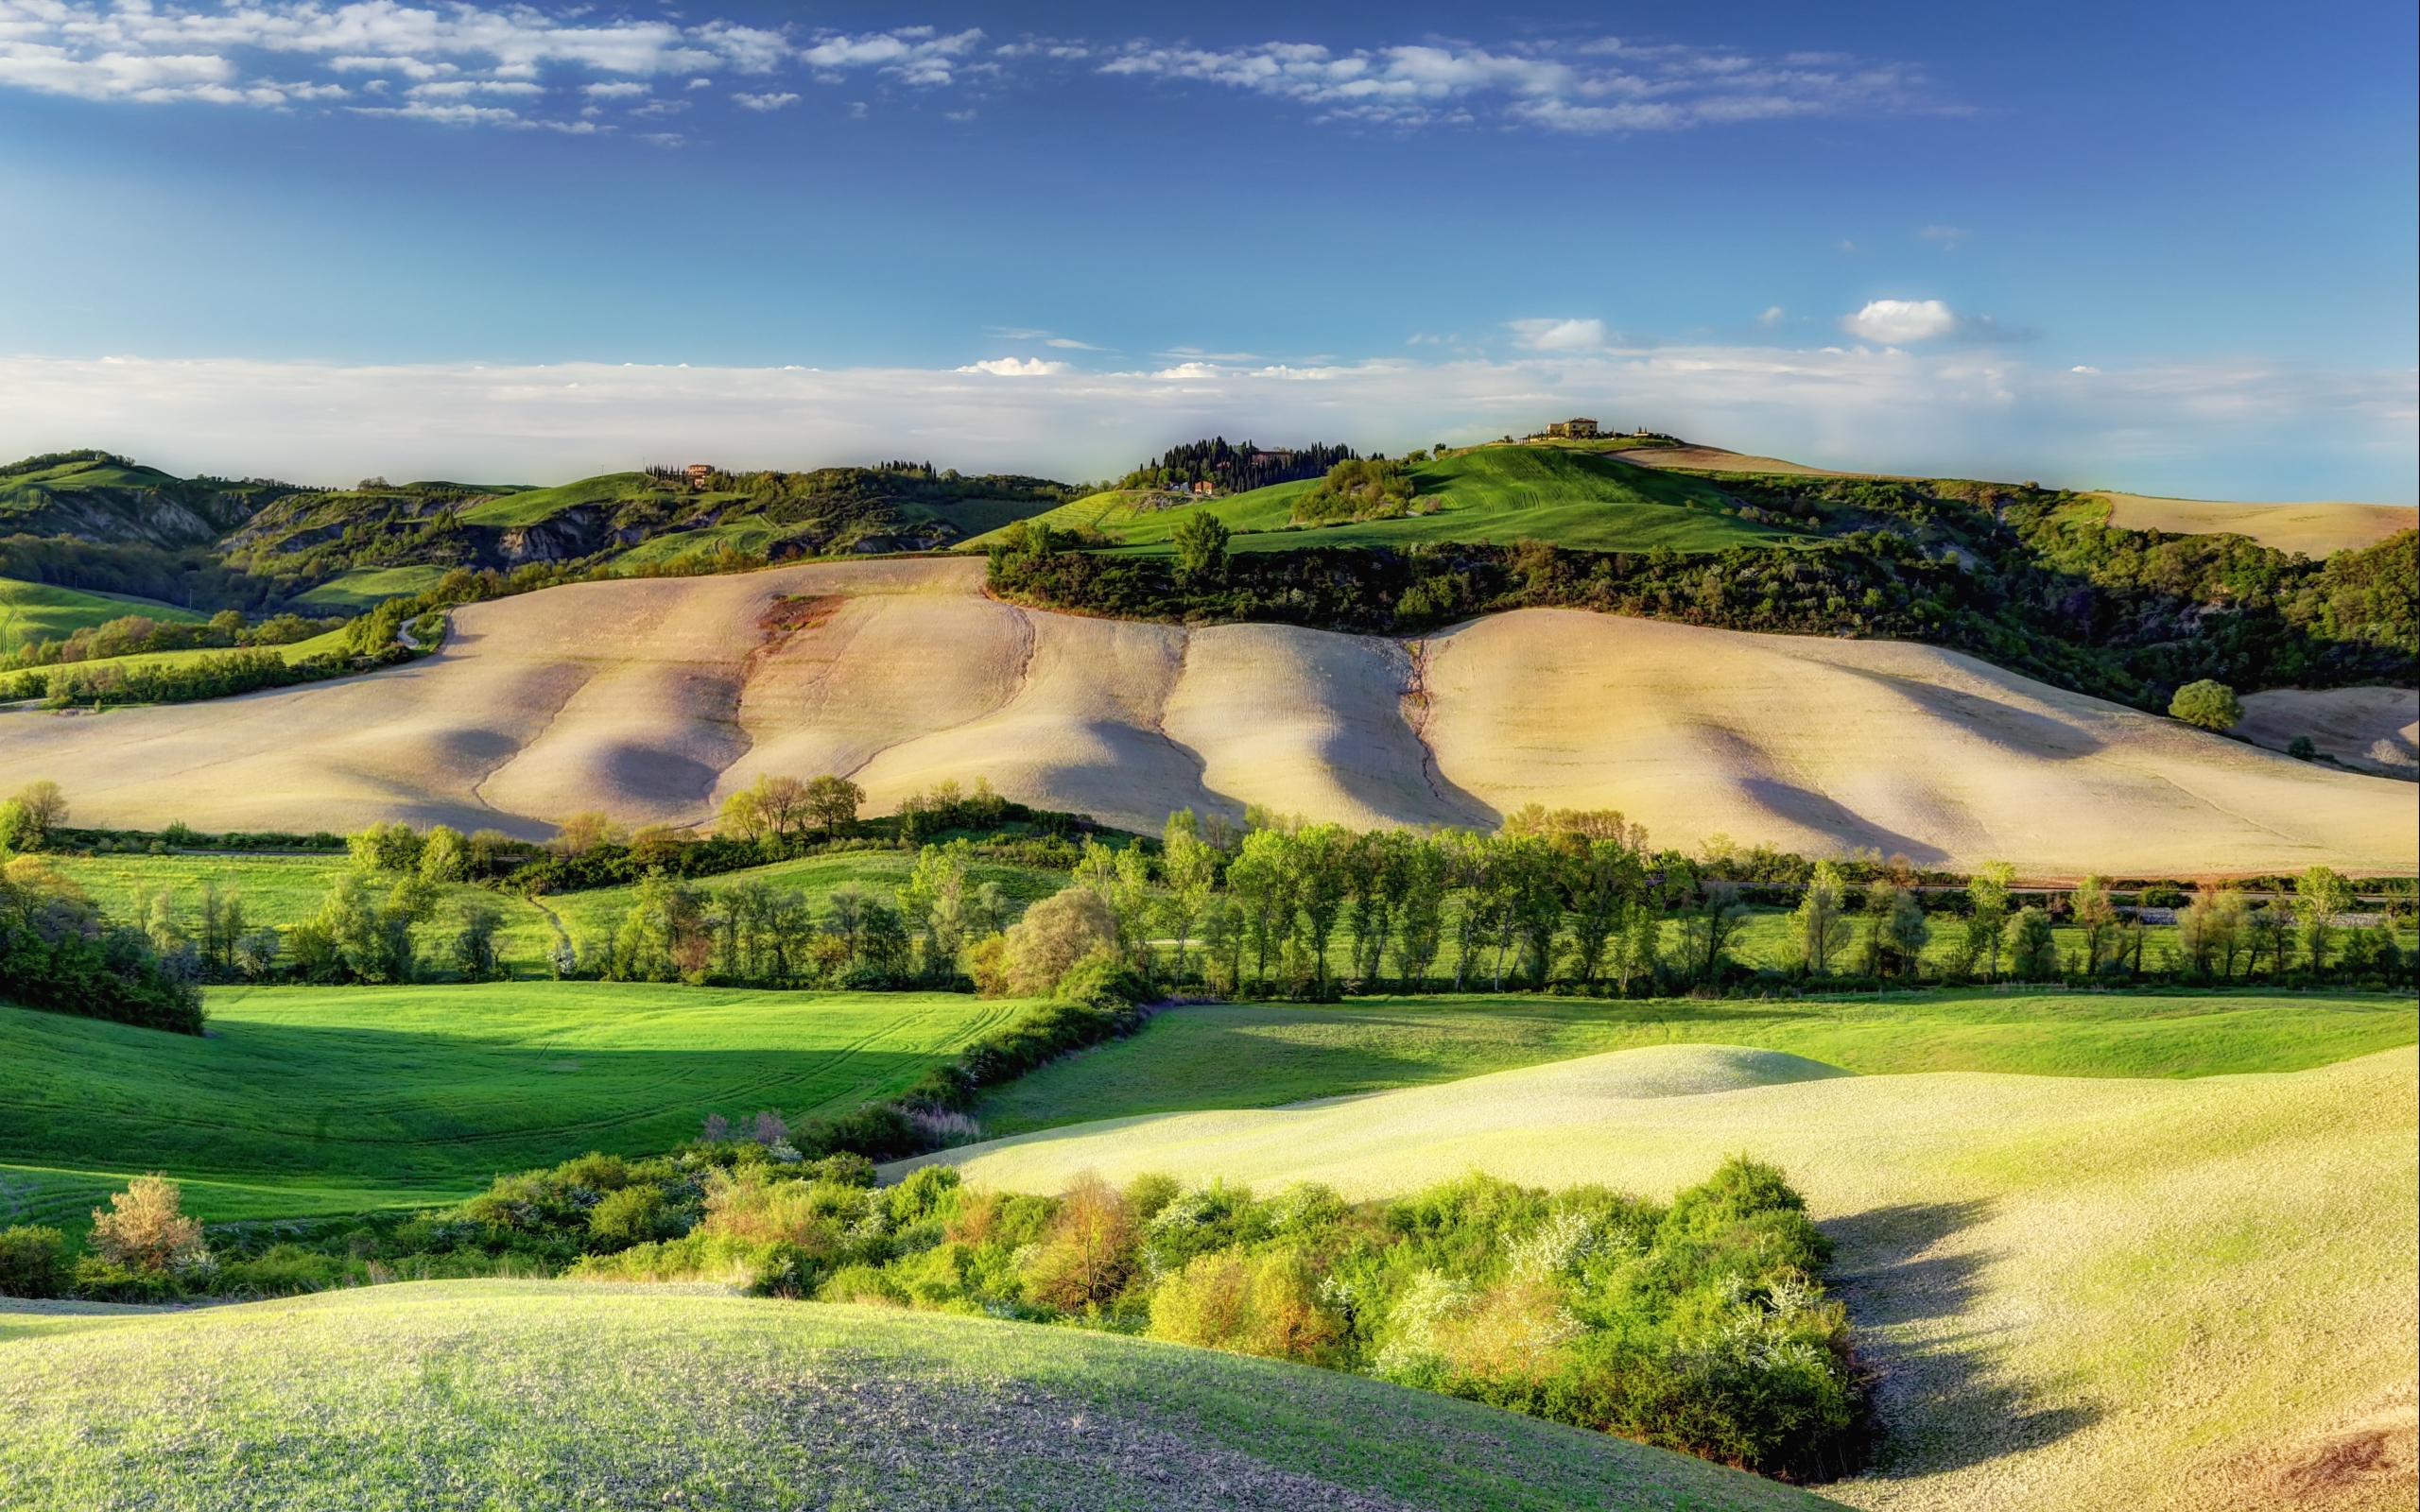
1912	1306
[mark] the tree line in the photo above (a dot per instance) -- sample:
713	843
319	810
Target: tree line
1234	468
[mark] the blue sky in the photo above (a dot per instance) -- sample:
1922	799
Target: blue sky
2160	247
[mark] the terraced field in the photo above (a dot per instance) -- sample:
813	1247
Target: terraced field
544	1395
653	699
319	1100
2081	1293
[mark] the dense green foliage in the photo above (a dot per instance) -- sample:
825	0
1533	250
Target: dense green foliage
1371	489
107	684
59	952
1234	468
1700	1325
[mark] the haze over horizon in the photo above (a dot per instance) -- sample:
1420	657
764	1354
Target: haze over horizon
2141	248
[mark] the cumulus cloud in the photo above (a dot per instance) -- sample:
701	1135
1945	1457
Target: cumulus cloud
1898	321
764	102
914	55
1966	411
1562	336
1016	367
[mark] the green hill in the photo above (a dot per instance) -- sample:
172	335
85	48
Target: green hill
335	1099
540	1395
361	545
1492	494
100	497
38	612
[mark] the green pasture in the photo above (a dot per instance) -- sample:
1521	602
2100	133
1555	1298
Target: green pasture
1493	494
350	593
310	1099
1212	1055
526	506
40	611
537	1396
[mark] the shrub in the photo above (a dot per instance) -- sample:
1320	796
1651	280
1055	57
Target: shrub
2207	704
30	1261
146	1229
1054	935
1267	1305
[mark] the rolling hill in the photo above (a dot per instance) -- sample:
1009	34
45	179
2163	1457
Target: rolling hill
95	496
317	1099
1494	494
2080	1294
38	612
564	1395
651	698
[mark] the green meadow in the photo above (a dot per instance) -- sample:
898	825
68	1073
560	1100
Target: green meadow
1493	494
1239	1054
40	611
334	1099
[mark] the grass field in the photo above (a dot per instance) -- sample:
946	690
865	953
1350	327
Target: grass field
1245	1055
350	593
333	1099
40	611
557	1395
2080	1293
1494	494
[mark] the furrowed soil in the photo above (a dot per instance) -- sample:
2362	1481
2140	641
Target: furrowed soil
653	699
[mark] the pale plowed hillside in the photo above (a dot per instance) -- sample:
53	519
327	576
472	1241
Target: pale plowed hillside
2103	1294
2369	730
2313	529
651	699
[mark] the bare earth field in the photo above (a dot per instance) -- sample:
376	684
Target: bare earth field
653	698
2313	529
1715	459
2369	730
2081	1294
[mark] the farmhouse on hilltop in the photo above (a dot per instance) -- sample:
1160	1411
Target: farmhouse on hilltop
1573	430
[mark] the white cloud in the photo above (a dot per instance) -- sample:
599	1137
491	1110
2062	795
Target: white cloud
1901	320
764	102
156	51
620	91
914	55
1071	344
1966	412
1562	336
1591	86
1016	368
138	51
1770	316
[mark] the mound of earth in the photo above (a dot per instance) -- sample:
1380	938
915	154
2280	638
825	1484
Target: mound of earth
2369	730
652	698
2313	529
2110	1294
544	1395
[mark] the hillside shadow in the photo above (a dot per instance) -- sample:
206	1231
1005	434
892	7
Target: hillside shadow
1817	812
1933	1389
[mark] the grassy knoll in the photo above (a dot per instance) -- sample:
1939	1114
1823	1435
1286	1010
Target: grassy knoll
1496	495
40	611
543	1395
1248	1054
350	593
2079	1293
329	1094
